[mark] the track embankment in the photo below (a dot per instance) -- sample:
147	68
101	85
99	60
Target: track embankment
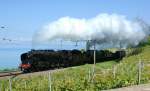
4	75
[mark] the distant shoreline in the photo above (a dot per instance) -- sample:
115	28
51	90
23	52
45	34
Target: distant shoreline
9	69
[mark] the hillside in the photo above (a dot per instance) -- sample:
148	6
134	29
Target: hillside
107	75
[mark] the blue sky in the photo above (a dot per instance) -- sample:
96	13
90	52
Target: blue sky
22	18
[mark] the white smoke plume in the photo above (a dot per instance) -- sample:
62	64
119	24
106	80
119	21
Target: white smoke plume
103	29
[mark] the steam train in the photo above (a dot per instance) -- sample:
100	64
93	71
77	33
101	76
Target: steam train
39	60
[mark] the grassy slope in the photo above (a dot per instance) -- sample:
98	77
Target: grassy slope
80	78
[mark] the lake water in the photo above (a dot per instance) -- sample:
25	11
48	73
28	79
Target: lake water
10	57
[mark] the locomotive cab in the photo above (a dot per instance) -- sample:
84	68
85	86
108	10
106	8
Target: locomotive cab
120	54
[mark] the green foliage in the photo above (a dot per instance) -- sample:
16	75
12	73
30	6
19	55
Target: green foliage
142	44
134	51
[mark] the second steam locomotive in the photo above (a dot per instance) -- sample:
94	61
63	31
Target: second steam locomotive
39	60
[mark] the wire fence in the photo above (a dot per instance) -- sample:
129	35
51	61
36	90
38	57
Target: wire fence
46	82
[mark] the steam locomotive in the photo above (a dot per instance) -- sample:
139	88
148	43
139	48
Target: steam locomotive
39	60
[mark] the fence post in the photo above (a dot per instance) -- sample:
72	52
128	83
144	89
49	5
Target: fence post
40	84
114	71
10	85
49	81
0	85
25	85
89	75
139	72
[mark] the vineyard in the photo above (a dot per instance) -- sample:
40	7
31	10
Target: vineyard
131	70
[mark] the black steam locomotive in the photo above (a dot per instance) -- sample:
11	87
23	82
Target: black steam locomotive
39	60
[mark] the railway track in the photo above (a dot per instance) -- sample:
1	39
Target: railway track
21	74
11	73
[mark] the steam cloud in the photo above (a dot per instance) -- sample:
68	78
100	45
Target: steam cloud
103	29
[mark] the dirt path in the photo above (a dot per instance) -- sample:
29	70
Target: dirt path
143	87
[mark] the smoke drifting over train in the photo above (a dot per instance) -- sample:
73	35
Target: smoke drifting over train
108	29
